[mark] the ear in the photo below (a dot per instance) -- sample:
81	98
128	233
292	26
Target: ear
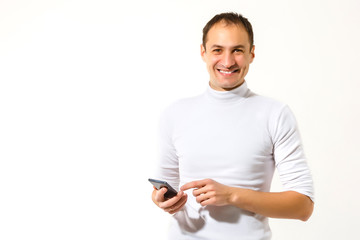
202	52
252	53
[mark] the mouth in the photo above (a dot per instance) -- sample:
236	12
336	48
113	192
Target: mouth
227	73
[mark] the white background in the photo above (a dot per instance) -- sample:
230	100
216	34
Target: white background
82	84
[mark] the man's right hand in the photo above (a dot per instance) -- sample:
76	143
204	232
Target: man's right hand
171	205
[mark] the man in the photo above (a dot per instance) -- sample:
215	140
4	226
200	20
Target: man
225	144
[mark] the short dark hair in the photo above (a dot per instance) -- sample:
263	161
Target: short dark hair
229	18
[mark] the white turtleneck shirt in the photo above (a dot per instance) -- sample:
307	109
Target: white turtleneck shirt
236	138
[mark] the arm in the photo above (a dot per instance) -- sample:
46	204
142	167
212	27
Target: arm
288	204
168	168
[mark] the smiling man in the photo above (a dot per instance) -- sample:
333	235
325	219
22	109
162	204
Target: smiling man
227	52
220	149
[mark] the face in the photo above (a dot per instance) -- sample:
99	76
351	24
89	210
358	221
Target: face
227	56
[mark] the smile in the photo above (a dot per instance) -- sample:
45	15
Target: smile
227	72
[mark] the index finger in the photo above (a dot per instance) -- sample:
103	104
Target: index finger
193	184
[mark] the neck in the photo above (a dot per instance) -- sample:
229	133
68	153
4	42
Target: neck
227	96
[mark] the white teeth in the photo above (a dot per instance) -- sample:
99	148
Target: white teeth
226	72
222	71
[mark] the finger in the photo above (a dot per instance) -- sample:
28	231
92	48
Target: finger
203	197
206	202
176	207
193	184
170	202
179	208
159	196
199	191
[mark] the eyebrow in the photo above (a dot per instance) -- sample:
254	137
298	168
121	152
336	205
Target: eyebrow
239	46
219	46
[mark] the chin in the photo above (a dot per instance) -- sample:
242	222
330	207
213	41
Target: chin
229	86
226	85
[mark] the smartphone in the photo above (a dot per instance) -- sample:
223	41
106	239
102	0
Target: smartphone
171	192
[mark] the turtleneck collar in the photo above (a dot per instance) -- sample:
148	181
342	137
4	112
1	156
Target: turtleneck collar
234	95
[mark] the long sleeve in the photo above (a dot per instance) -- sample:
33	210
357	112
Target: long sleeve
289	156
168	167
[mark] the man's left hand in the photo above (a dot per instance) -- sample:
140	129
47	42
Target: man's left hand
209	192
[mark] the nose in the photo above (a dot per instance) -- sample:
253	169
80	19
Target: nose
228	60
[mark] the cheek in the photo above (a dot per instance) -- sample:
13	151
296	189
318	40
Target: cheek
212	61
241	61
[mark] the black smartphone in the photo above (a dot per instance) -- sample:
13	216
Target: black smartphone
171	192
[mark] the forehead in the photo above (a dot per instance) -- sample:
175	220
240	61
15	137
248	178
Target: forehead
224	34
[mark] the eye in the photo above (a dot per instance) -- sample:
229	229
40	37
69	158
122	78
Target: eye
238	50
216	50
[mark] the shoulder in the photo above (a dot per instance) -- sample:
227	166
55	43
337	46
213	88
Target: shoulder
280	120
265	104
182	106
178	110
277	114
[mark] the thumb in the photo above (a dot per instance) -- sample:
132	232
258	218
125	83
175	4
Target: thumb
159	197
